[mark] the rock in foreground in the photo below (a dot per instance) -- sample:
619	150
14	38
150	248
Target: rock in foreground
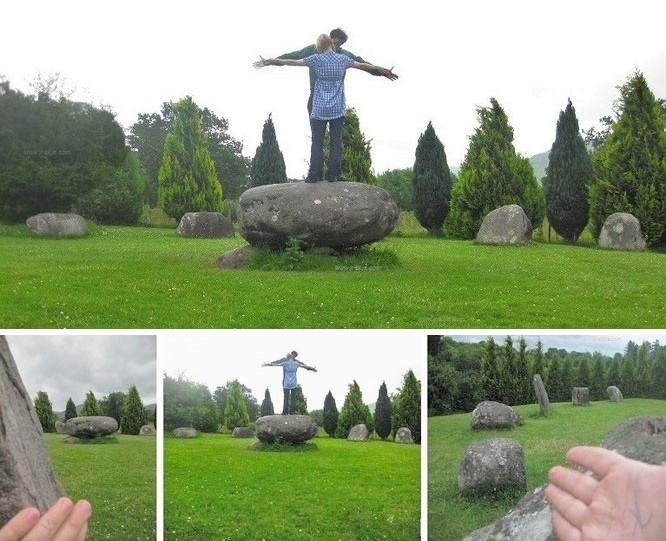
91	426
332	214
285	428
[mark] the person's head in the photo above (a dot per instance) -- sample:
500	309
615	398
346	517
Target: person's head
294	354
324	43
339	37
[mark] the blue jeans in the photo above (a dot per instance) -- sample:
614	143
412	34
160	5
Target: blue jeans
318	128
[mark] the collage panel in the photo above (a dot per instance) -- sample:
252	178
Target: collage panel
78	442
507	412
292	435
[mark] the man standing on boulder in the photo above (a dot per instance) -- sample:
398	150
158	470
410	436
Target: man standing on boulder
290	366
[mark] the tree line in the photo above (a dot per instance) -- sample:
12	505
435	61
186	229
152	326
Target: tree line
188	403
460	375
126	408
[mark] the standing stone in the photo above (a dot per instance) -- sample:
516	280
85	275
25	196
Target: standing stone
404	435
622	231
285	428
358	433
490	415
26	475
92	426
185	432
242	432
491	465
641	438
205	225
542	395
53	224
580	396
614	394
147	430
60	427
506	225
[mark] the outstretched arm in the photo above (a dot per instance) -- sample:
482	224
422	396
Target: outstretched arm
375	70
279	362
278	62
307	367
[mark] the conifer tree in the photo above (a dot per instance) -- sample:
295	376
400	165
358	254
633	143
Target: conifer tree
187	179
300	406
568	378
112	406
523	382
491	379
70	410
90	406
356	159
630	169
492	175
554	385
268	165
613	376
383	413
133	415
267	404
537	362
235	410
331	415
567	179
508	373
407	406
583	378
597	387
44	410
431	181
353	412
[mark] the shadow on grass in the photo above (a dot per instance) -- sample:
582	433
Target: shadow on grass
307	447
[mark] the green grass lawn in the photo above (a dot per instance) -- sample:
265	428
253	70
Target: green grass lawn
118	479
123	277
215	488
545	441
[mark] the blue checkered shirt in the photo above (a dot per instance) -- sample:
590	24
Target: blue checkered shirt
328	99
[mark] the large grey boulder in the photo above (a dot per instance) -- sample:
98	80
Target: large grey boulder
285	428
185	432
242	432
92	426
490	415
542	395
622	231
404	435
358	433
640	438
26	475
147	430
60	427
332	214
506	225
492	465
53	224
205	225
614	394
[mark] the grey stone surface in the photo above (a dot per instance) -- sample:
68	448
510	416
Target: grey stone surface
285	428
91	426
147	430
60	427
332	214
185	432
404	435
622	231
641	438
53	224
580	396
235	259
358	433
242	432
26	474
614	394
506	225
492	465
205	225
490	415
542	395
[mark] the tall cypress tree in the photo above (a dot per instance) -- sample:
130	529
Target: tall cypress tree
133	415
407	407
568	176
383	413
583	378
267	404
300	403
331	415
630	169
353	412
597	387
492	175
268	165
490	372
90	406
431	181
537	362
235	410
613	376
44	410
509	373
568	378
187	179
70	409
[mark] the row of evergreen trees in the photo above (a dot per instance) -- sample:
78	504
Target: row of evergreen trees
462	375
626	172
126	408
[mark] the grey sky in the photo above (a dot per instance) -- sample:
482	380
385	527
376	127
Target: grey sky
606	342
67	365
369	357
531	56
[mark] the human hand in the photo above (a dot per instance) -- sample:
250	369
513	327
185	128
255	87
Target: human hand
260	63
64	521
388	73
623	502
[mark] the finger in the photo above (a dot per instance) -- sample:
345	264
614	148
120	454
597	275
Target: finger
20	524
572	509
565	531
51	520
76	522
597	459
578	484
83	533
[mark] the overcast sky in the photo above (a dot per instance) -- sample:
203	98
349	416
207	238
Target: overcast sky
69	366
531	56
369	357
606	342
